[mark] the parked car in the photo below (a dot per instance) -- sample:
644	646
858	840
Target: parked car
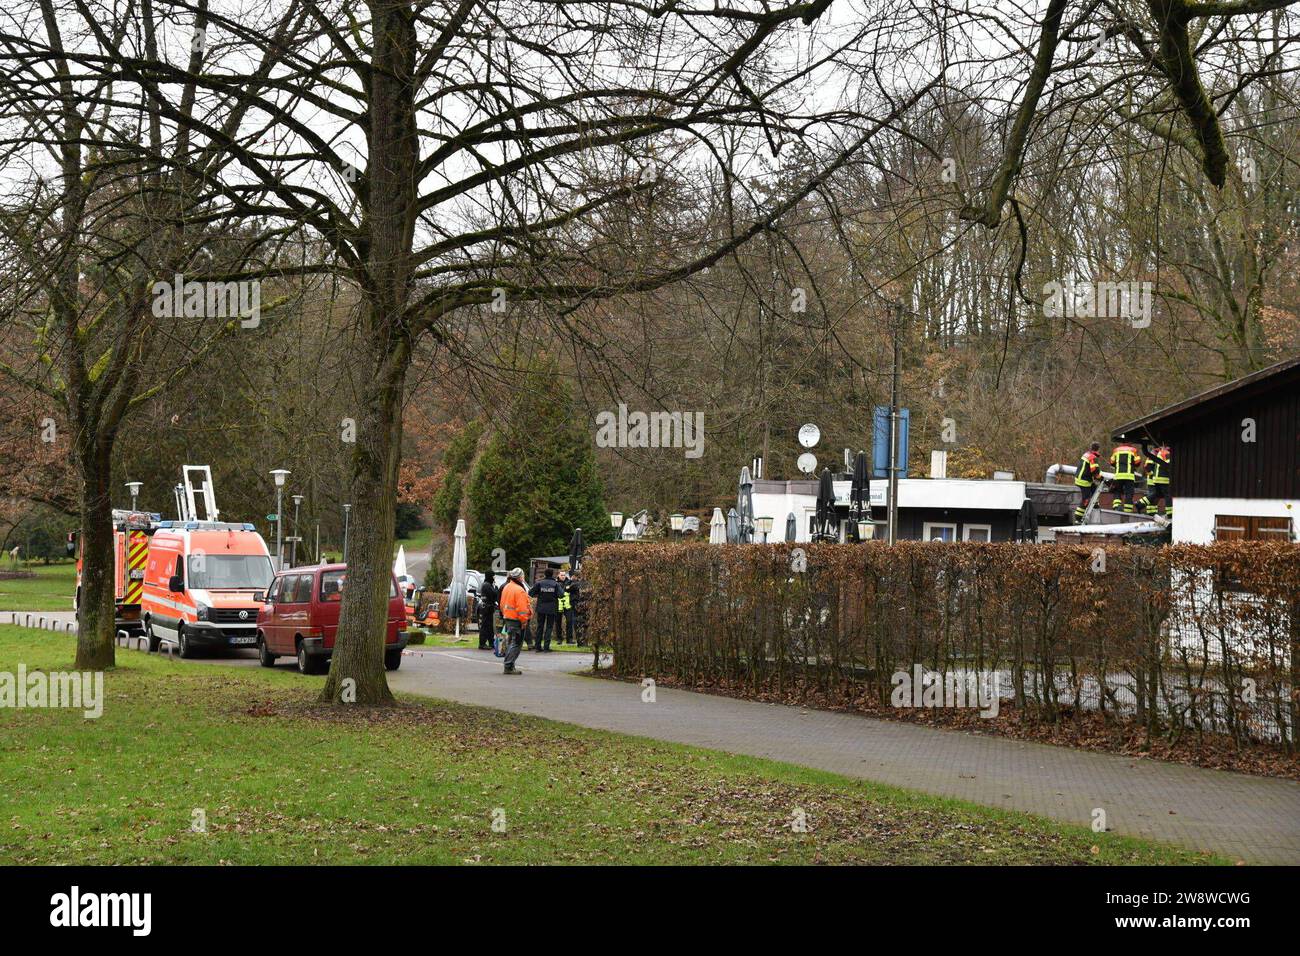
300	618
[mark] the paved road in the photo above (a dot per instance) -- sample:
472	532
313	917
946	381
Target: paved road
417	563
1256	819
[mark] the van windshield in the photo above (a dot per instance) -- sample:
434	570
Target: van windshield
221	571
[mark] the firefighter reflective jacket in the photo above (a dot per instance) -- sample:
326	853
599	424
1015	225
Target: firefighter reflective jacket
1125	461
1088	469
1158	469
514	602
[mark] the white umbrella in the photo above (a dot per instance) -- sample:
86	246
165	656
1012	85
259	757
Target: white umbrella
629	530
717	528
399	566
457	600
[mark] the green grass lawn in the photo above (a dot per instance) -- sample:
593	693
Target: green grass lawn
417	542
280	780
50	590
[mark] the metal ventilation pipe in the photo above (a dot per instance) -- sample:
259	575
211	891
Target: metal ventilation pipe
1054	470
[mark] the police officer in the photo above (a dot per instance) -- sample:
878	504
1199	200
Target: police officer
568	608
1159	471
487	612
547	591
1085	476
1126	463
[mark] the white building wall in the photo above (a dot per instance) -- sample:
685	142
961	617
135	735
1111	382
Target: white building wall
1194	517
777	507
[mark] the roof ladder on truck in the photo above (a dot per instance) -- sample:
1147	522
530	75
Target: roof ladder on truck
185	494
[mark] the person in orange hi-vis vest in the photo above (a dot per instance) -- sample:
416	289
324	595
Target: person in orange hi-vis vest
515	611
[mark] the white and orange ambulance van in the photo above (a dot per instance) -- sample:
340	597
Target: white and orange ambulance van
203	585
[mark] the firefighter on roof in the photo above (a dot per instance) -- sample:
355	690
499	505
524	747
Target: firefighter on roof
1085	476
1126	463
1158	472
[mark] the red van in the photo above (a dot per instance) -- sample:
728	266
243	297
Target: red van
300	617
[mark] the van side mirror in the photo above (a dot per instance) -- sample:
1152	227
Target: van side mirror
259	597
175	584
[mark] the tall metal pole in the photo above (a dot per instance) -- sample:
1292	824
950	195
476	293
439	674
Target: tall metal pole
293	545
893	432
347	511
279	528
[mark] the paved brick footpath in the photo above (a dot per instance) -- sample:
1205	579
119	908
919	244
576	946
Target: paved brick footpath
1256	819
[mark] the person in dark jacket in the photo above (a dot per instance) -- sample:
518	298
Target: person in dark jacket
547	591
487	612
569	608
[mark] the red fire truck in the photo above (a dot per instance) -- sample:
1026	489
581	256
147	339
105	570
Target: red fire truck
131	533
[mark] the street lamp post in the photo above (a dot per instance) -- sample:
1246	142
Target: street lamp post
293	543
616	522
347	511
134	488
763	525
677	522
279	474
894	464
866	529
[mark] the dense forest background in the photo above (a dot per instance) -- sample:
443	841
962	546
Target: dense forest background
793	327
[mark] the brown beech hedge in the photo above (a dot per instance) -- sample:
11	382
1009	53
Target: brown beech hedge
1186	640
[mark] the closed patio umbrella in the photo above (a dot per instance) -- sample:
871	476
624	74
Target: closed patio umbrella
717	528
860	493
576	548
458	600
791	527
825	514
733	527
745	507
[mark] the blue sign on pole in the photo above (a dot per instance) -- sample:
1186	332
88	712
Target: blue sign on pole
880	441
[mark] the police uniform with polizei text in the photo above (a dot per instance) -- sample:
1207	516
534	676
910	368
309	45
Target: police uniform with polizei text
548	592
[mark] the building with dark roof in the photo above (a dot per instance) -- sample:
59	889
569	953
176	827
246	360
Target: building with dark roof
1236	457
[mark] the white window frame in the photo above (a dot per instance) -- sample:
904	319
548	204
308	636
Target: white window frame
926	526
986	528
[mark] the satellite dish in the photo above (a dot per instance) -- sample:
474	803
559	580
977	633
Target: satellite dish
809	435
807	463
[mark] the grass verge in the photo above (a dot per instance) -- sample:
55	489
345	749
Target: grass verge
279	780
51	590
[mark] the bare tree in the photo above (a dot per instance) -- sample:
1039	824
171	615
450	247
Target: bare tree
464	159
1168	39
103	201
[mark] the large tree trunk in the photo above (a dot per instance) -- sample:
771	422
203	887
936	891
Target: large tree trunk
357	666
388	190
95	611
